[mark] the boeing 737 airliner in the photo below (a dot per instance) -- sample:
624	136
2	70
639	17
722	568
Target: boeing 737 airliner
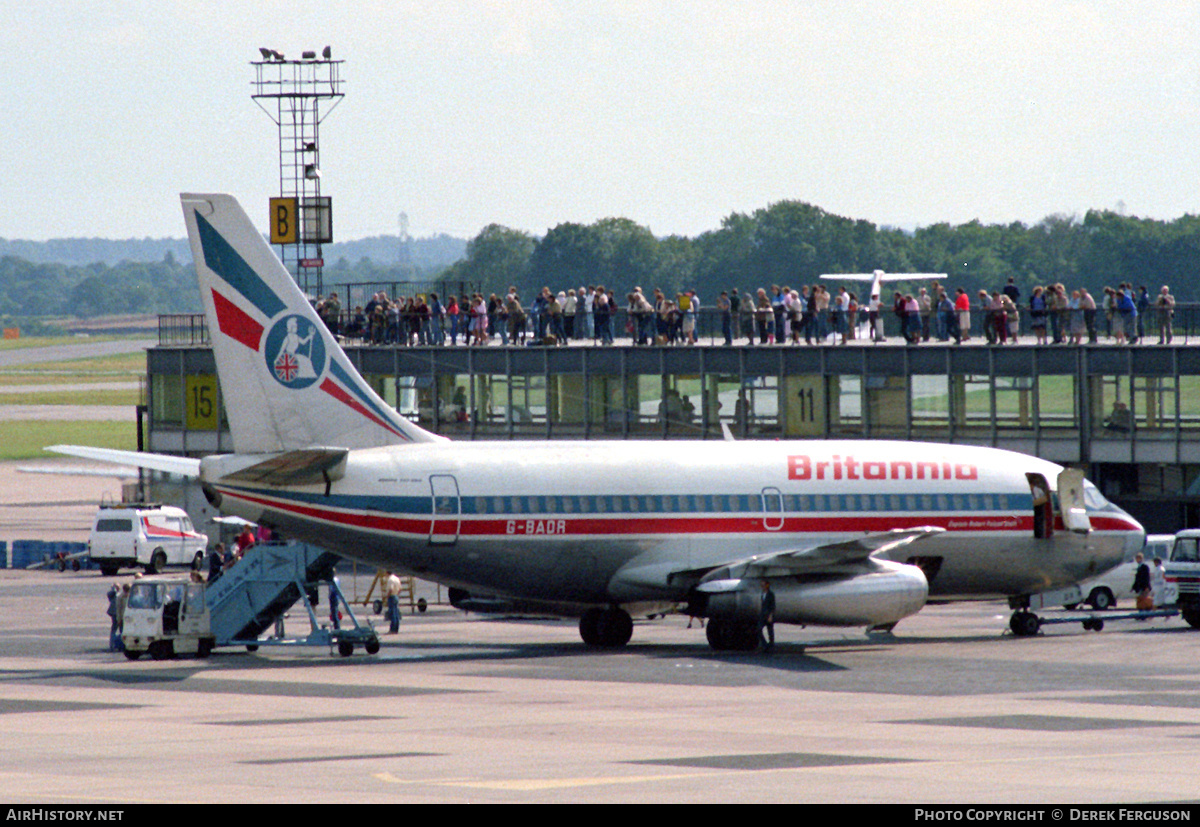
848	532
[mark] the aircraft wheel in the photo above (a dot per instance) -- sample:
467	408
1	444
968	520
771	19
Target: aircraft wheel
745	636
717	633
726	635
608	628
1024	624
1101	600
616	628
589	627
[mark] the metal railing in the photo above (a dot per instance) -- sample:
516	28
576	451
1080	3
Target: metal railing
191	329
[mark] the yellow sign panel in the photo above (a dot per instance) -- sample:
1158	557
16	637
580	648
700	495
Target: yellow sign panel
805	405
284	221
202	413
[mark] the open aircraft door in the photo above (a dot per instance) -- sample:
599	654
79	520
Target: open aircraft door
1070	501
447	510
1043	506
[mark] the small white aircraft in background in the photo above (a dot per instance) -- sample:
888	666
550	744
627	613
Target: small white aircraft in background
878	277
847	533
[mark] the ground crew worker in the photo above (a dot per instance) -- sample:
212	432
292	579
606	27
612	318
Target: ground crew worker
393	602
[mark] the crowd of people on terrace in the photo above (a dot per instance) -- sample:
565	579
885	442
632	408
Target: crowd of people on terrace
779	315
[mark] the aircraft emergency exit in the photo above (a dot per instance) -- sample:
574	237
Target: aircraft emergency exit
849	533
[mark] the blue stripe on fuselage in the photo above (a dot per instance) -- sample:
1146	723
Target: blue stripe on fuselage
679	504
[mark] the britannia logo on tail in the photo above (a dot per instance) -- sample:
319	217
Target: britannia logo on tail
295	352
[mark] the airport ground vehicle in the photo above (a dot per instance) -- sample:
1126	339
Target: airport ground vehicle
1183	571
167	615
1105	591
144	534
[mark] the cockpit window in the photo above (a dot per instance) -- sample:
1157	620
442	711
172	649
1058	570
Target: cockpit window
1092	498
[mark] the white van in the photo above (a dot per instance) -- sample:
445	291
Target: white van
1105	590
1183	571
145	534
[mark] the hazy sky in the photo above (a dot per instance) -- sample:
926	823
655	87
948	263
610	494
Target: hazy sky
673	114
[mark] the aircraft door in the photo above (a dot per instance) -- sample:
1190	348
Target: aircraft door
447	510
1043	507
772	505
1070	500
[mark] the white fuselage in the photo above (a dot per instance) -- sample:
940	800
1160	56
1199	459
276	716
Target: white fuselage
587	523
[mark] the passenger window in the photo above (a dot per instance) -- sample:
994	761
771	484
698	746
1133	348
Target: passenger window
122	526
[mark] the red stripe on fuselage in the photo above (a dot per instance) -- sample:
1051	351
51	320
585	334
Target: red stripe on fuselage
234	322
628	524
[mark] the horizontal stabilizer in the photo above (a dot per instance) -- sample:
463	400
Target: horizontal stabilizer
308	466
121	472
184	466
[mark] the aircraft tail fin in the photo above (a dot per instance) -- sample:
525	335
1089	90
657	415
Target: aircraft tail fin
286	382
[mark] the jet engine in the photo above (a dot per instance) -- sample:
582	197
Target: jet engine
881	597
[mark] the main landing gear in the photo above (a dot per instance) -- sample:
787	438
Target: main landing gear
606	628
727	634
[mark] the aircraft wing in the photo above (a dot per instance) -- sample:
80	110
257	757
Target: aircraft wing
184	466
847	552
828	557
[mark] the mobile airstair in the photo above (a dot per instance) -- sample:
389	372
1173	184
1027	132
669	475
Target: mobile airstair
255	593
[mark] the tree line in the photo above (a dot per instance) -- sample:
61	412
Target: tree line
29	289
793	243
789	242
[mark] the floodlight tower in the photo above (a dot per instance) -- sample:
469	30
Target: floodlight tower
293	94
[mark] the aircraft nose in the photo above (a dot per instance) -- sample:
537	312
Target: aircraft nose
1135	534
